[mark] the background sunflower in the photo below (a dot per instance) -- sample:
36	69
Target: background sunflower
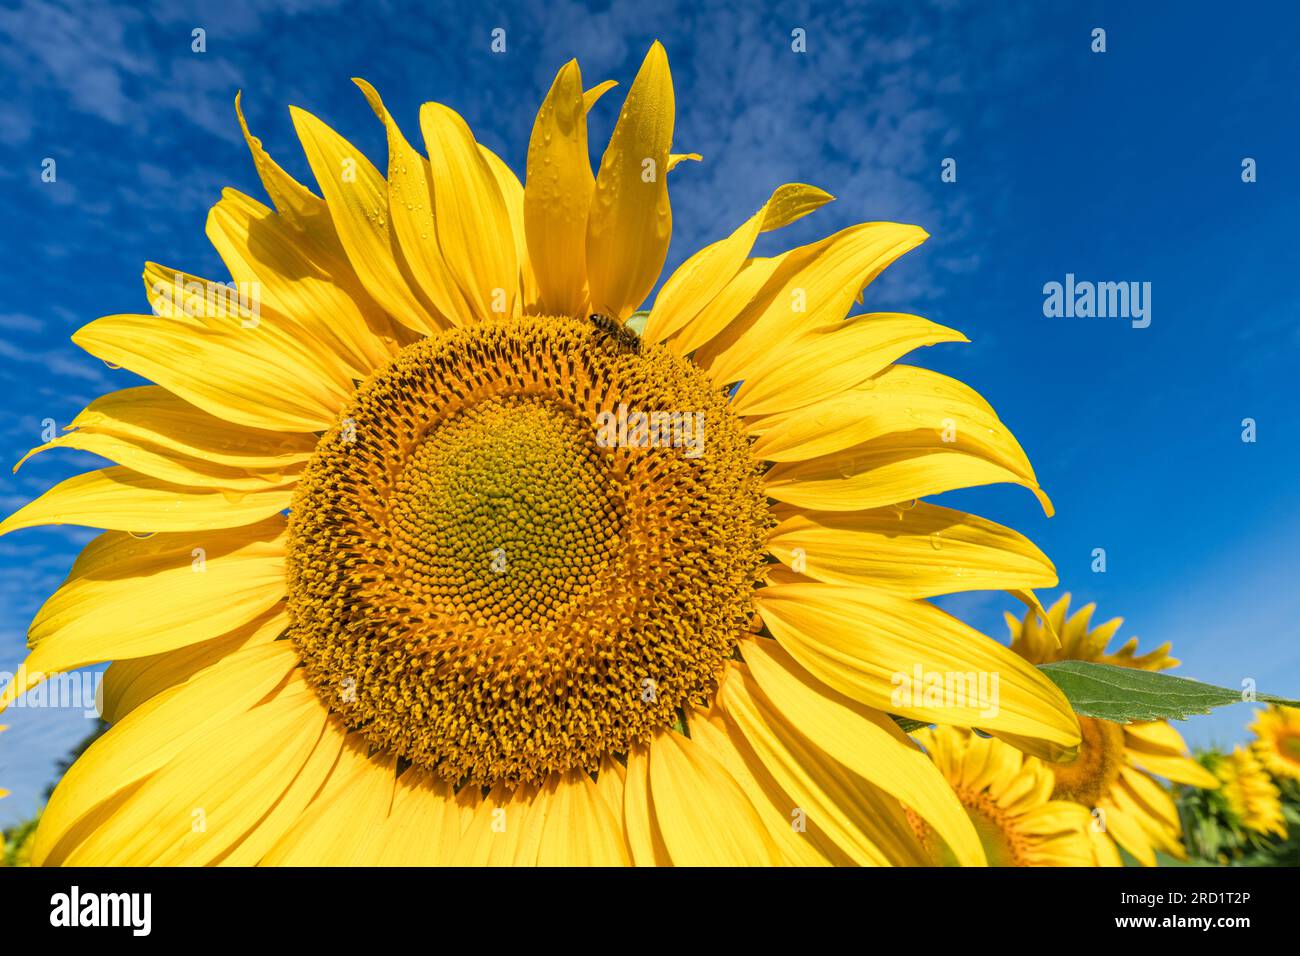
1008	797
1119	766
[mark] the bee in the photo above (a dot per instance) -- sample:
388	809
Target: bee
609	329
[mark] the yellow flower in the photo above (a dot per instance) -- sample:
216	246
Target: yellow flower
1251	797
1277	743
1117	766
1008	797
521	609
3	791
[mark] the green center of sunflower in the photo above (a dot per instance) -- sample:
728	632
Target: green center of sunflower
1101	758
529	543
486	510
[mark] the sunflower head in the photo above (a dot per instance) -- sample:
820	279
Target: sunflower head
1277	741
484	587
1078	640
1008	797
1089	778
1118	767
1252	800
486	577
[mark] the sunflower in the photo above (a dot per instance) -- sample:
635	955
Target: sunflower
527	604
1253	801
1277	741
3	792
1008	796
1117	765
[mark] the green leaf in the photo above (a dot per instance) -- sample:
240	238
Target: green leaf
1123	694
907	724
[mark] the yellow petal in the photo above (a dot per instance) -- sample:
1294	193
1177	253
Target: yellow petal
473	224
130	682
258	376
704	275
815	285
1153	798
166	466
676	159
154	418
830	359
505	829
733	300
578	828
921	552
358	202
610	782
512	194
118	499
1155	737
592	95
316	294
901	397
1170	766
848	819
157	455
870	646
410	203
780	812
557	195
423	827
150	736
129	597
702	815
643	838
896	469
1124	828
298	204
205	799
867	743
298	795
1104	849
631	221
340	827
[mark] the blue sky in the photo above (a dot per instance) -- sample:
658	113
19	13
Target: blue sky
1122	166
